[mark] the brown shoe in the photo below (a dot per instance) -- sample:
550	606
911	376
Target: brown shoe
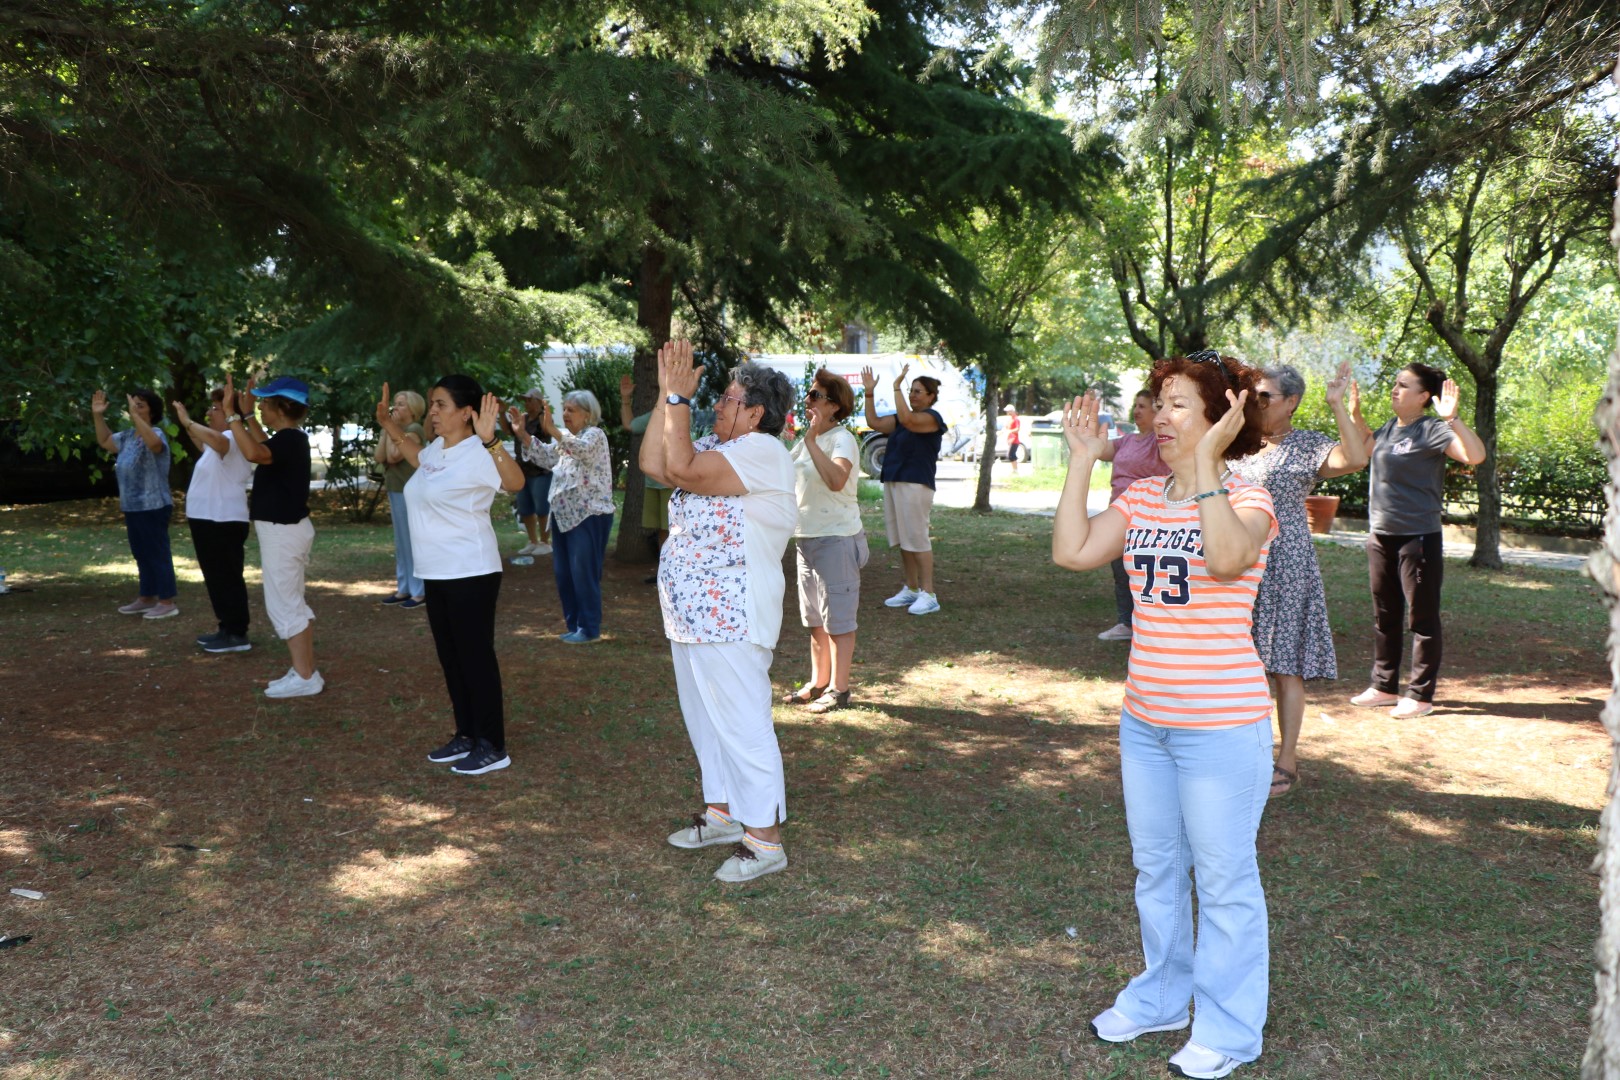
832	699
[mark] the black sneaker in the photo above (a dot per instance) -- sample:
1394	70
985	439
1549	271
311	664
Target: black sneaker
396	599
454	750
223	643
205	640
484	758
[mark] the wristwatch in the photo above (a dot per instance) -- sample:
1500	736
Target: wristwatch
676	399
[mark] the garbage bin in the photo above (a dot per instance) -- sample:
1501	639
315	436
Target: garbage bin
1048	450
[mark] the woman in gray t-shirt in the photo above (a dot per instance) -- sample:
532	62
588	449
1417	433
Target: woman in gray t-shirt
1404	560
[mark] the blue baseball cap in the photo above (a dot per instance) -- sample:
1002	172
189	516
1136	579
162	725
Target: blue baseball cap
285	386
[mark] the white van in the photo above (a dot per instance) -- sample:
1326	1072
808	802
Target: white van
958	401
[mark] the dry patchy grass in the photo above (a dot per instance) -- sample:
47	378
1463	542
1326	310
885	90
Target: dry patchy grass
959	901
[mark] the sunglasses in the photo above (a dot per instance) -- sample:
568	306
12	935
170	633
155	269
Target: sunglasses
815	395
1210	356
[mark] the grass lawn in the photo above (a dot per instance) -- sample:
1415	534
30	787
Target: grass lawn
245	888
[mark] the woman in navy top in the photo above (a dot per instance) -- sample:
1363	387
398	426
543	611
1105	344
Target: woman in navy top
915	431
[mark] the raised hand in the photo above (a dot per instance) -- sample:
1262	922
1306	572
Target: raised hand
131	410
819	424
1353	395
1223	431
489	410
514	418
181	414
1446	405
676	375
98	403
244	398
627	385
899	380
1082	430
868	380
385	410
1337	385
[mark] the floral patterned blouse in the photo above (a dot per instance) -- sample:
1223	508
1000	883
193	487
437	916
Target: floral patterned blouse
720	572
581	474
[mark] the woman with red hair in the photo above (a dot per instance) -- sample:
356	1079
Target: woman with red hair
1195	729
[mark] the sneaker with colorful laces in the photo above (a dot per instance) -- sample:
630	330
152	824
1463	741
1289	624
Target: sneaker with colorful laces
749	861
706	830
925	604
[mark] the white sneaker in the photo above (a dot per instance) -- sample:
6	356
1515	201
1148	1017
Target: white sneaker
705	831
1201	1063
1374	698
1117	632
747	863
1115	1027
292	673
296	685
540	549
904	598
925	604
1405	709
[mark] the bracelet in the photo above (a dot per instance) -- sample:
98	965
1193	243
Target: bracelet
1202	495
493	443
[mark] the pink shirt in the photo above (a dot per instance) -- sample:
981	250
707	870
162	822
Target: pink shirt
1135	456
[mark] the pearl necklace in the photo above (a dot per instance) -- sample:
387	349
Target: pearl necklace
1170	482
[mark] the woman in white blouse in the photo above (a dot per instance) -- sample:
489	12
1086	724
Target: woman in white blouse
454	552
830	540
581	506
217	512
720	585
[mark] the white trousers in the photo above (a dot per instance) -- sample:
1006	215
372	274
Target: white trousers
725	693
283	558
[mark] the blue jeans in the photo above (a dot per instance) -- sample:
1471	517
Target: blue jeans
149	543
1193	801
404	562
577	557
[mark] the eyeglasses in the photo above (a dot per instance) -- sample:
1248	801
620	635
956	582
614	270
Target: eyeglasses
1210	356
1263	396
740	402
815	395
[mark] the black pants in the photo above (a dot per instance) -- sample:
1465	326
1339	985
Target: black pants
1406	573
219	547
461	614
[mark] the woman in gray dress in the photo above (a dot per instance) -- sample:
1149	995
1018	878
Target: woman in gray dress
1291	631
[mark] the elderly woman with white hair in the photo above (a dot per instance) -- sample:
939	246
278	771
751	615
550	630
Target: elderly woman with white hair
581	506
1291	631
720	584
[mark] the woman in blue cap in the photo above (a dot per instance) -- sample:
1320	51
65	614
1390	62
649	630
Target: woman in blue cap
279	507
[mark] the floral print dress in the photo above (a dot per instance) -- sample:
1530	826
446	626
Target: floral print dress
1291	631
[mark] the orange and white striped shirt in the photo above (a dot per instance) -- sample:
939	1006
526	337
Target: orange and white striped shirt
1193	663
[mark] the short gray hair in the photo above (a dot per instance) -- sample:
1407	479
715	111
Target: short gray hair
767	387
1288	380
585	400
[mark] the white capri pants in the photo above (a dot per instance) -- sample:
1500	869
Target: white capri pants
725	694
283	558
906	508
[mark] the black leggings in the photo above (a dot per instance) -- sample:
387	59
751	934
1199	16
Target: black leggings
1406	572
461	614
219	547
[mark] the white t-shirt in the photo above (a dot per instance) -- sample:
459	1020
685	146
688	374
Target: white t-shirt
219	484
823	512
719	583
447	501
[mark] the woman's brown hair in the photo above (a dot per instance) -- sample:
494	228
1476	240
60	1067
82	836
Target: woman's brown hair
838	392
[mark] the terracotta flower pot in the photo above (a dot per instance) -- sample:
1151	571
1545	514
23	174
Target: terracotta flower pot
1319	511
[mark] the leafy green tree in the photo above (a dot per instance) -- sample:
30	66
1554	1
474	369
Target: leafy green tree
1485	244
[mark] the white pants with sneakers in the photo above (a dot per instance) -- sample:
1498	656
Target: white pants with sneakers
283	558
725	694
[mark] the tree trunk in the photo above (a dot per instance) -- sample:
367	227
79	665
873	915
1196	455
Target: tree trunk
655	310
1602	1060
1488	525
987	460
